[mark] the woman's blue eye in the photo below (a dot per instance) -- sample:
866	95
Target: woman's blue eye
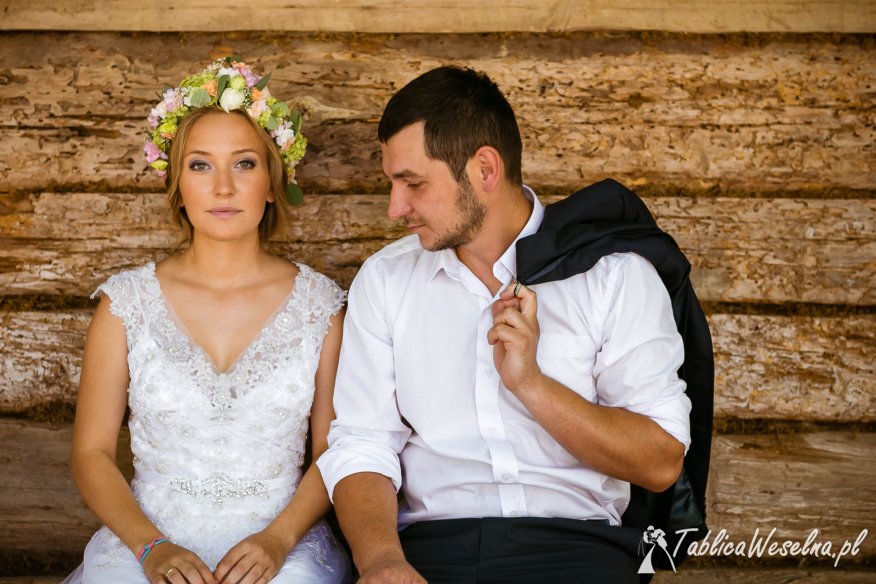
198	165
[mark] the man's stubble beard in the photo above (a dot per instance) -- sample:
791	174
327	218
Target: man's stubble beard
471	218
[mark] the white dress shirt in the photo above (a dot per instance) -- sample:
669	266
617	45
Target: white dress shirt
418	398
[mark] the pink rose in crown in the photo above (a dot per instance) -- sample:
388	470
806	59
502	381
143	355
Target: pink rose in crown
153	153
173	99
251	78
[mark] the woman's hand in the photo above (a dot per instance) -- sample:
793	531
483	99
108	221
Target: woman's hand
255	560
173	564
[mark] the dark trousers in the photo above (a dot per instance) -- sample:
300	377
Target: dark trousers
522	551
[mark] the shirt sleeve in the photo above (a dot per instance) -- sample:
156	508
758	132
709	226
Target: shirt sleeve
368	432
637	365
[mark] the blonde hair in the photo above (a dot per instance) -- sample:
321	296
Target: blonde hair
275	212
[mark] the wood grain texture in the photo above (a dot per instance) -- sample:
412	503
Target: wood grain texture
772	367
699	112
717	16
686	575
32	580
742	250
38	498
40	357
794	483
767	367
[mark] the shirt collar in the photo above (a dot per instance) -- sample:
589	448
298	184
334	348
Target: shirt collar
509	259
446	259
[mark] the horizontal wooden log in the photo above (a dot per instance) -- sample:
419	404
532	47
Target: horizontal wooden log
700	112
773	367
144	219
720	16
768	367
742	250
37	495
793	483
40	357
31	579
45	270
685	575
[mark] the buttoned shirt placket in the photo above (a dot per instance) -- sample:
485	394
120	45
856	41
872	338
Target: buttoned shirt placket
488	385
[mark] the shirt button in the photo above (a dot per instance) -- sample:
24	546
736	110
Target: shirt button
505	478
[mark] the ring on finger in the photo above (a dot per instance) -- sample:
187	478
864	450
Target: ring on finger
517	287
169	572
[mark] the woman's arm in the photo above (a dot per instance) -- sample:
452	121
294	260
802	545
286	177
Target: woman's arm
100	407
258	558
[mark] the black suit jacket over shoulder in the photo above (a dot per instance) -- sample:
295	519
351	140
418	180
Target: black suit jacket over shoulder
577	232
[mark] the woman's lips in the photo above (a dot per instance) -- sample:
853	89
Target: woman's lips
224	212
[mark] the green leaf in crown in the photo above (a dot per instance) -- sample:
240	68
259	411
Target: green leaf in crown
200	98
247	92
294	194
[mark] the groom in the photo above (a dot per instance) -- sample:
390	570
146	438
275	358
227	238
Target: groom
511	419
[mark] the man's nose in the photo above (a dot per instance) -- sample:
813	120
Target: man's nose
398	204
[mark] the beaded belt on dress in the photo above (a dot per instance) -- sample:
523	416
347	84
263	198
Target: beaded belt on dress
217	486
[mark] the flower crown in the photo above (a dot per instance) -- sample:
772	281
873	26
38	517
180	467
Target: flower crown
231	85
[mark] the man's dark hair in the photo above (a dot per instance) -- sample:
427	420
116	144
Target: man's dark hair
462	110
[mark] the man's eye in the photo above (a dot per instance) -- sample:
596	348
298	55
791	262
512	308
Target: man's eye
414	186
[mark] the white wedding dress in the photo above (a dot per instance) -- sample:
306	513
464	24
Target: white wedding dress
218	455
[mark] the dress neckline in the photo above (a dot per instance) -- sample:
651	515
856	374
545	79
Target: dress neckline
179	327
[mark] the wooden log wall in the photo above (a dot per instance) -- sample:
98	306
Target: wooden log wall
755	151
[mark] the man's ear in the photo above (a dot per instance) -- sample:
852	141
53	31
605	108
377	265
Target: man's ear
487	168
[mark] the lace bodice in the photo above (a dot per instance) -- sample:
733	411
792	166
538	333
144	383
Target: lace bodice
224	448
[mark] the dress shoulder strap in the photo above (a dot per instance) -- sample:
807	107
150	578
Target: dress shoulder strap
319	293
128	291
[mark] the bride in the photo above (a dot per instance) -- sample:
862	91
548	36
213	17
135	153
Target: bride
226	357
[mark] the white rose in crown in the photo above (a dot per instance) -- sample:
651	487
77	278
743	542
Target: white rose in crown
231	99
284	136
